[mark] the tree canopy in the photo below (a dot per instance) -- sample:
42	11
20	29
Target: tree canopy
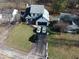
59	5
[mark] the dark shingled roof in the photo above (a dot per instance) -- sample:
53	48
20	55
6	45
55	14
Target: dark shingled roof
70	18
38	17
27	12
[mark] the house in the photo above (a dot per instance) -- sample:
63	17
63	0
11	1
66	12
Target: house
35	14
9	16
72	20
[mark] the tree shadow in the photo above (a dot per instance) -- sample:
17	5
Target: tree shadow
33	38
63	42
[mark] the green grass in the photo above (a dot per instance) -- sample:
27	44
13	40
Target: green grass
19	37
61	46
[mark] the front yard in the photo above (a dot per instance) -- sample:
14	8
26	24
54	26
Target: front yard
19	37
63	46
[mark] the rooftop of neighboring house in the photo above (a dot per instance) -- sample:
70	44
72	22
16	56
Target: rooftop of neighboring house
70	18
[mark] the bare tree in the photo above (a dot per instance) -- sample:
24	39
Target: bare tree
61	26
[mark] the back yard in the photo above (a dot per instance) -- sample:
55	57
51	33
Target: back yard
63	46
19	37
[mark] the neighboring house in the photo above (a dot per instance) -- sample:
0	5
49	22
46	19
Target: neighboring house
66	17
73	21
14	13
9	16
36	14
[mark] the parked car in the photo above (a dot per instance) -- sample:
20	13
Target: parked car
38	29
44	30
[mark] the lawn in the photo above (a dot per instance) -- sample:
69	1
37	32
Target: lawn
19	37
63	46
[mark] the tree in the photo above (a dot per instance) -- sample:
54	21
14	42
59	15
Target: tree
59	5
72	3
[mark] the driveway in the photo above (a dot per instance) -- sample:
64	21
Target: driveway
38	49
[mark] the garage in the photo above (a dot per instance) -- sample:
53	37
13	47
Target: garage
44	19
42	23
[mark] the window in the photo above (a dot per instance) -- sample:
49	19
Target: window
33	14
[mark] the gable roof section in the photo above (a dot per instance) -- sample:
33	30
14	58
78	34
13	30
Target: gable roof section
66	17
46	14
37	9
38	17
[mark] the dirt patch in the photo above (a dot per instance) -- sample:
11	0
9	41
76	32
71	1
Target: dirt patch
4	57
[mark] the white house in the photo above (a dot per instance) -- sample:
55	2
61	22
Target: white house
36	14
